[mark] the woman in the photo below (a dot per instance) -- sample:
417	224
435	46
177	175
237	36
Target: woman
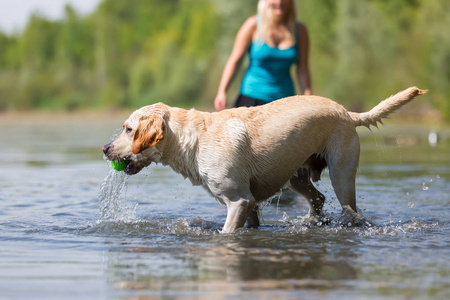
275	41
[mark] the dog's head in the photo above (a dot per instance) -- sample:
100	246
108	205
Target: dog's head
139	142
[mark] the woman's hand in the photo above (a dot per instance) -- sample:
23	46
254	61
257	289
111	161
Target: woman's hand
220	101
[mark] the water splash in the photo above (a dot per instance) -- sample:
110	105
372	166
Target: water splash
359	224
346	218
111	209
400	228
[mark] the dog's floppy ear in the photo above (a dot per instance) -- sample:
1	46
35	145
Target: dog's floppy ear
148	133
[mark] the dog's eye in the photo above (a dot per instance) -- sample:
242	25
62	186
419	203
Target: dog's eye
128	129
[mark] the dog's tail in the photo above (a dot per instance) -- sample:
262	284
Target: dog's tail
385	107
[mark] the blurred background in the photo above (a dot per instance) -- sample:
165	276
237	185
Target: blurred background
126	54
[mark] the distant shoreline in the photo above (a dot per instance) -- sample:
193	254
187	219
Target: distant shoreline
63	116
407	116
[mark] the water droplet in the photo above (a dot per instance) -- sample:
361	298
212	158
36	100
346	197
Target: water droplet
424	187
411	204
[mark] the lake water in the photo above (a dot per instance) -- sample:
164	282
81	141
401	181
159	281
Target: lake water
62	237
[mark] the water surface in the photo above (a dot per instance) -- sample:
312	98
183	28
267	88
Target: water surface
158	237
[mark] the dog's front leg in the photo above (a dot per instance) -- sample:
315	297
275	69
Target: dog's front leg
237	213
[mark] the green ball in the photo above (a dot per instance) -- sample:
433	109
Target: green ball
119	165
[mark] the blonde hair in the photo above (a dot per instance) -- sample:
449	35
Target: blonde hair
266	22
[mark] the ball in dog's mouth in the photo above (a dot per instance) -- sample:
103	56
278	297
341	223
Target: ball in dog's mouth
120	165
128	166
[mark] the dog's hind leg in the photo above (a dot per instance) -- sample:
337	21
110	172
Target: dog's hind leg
253	218
343	165
301	183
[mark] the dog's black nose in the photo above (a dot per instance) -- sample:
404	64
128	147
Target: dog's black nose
106	148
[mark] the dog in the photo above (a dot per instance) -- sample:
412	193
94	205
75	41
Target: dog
243	156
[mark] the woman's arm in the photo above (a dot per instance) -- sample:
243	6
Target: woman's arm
243	40
303	74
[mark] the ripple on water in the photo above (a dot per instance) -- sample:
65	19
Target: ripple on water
158	226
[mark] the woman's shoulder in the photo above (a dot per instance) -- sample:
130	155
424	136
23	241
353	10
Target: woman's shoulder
249	27
251	22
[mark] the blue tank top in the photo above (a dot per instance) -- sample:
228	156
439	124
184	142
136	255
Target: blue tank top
268	75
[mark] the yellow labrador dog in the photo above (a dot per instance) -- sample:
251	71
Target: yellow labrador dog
243	156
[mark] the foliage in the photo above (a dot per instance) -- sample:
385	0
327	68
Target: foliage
136	52
362	51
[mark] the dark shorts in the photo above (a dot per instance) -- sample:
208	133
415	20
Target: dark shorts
248	101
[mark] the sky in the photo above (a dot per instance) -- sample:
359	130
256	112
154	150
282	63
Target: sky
14	14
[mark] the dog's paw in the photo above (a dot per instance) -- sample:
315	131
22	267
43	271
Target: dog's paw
350	218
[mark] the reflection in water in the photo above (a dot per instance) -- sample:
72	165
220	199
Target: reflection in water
247	259
260	259
190	255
